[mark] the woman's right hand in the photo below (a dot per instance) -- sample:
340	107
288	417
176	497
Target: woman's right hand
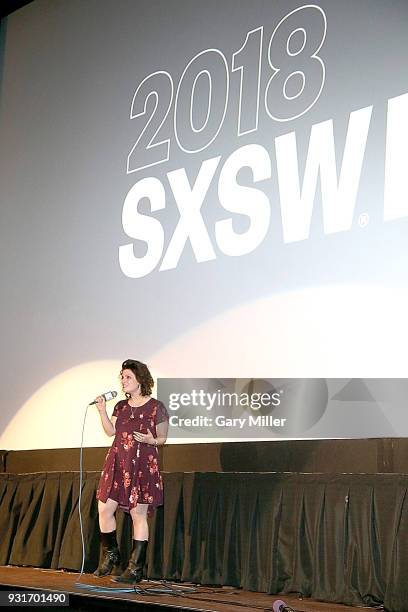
100	403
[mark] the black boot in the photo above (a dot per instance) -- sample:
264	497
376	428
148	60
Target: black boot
110	557
134	571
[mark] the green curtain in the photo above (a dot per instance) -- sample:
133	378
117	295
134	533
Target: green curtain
338	538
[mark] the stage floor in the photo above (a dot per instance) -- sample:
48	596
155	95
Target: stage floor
202	598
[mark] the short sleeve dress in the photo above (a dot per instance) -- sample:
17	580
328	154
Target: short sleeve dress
131	472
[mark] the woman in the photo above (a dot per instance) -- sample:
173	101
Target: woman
130	477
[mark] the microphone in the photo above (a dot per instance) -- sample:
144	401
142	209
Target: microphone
280	606
108	396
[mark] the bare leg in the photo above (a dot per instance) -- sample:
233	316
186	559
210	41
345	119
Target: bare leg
107	520
139	518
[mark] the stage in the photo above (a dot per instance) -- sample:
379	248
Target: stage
336	538
200	598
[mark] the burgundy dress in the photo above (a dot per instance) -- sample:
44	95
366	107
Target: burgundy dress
131	473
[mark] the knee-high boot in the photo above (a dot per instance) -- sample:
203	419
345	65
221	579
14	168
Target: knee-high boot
134	571
110	557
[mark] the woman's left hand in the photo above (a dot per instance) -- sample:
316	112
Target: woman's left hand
146	438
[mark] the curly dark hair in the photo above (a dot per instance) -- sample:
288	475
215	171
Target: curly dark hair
143	376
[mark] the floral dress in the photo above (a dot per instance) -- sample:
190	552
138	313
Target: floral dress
131	473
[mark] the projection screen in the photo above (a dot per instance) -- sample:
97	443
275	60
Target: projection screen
218	189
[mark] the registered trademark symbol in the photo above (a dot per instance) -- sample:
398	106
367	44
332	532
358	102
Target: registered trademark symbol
363	220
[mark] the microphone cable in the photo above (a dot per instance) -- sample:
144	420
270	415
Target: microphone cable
80	496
